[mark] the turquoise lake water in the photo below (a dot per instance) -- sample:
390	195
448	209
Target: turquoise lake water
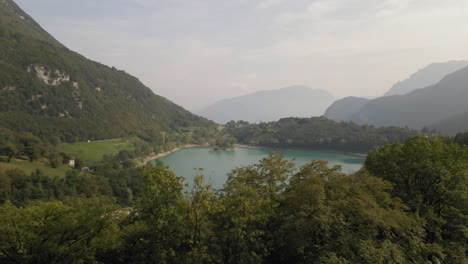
216	164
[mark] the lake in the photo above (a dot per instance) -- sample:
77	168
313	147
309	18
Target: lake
216	164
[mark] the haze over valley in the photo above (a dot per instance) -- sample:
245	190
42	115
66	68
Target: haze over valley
265	131
270	105
197	53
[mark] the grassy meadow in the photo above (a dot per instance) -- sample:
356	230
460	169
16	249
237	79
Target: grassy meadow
93	151
30	167
86	151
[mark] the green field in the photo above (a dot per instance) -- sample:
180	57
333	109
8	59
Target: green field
93	151
29	167
86	151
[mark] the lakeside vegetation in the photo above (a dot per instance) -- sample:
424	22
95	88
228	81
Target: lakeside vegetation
316	133
223	143
408	204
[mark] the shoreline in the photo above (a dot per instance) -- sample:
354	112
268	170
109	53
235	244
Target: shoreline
154	156
247	146
363	155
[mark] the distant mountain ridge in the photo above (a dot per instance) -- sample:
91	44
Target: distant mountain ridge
270	105
432	106
345	108
426	76
52	91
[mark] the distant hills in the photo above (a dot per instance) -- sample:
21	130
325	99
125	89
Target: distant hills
426	76
440	106
271	105
52	91
344	109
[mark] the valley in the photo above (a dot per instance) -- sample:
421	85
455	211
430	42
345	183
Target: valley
97	166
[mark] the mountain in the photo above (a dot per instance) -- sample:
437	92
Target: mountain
426	76
51	91
271	105
344	109
419	108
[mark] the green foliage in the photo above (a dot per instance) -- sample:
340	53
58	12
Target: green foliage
248	206
22	144
56	232
203	203
270	212
224	142
431	177
55	160
157	227
461	139
316	132
21	188
327	213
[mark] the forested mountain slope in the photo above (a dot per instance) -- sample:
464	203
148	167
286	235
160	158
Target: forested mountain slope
52	91
263	106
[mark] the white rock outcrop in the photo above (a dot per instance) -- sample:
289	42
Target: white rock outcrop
35	97
9	88
49	77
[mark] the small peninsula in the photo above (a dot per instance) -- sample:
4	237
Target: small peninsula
223	143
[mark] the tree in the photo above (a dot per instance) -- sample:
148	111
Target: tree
431	177
224	142
203	204
247	210
55	232
329	217
9	149
33	152
157	228
461	139
55	160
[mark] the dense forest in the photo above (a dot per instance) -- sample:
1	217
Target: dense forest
409	204
316	132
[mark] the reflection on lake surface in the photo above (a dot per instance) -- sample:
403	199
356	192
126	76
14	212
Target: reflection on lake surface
216	164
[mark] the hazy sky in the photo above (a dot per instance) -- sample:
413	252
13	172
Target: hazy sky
197	51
